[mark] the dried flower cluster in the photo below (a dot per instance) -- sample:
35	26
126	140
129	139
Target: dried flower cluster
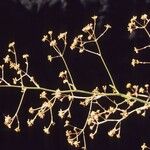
119	105
139	24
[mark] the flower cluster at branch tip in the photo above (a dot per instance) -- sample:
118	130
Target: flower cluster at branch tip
135	25
90	31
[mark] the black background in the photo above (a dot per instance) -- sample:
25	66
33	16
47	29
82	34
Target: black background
26	28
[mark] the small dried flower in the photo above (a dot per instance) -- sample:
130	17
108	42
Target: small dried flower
143	114
15	80
133	19
111	109
25	56
8	121
76	143
11	44
7	59
94	17
58	93
50	32
141	90
45	104
70	97
87	28
66	123
146	85
118	136
128	85
68	133
136	50
131	26
14	66
41	114
134	62
61	113
30	122
108	26
70	141
112	132
63	74
138	111
124	114
62	35
74	44
144	146
50	58
91	135
53	43
144	17
17	129
43	94
46	130
44	38
31	110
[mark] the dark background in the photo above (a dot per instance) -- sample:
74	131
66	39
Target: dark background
27	26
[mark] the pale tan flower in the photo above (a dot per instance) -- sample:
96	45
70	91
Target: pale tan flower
66	123
45	37
58	93
50	32
76	143
134	62
128	85
63	74
50	58
141	90
61	113
17	129
30	122
87	28
41	114
8	121
15	80
46	130
131	27
68	133
108	26
144	17
53	43
74	44
91	135
133	19
11	44
43	94
94	17
144	147
31	110
62	35
112	132
136	50
7	59
25	56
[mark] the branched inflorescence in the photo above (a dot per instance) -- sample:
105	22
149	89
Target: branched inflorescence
103	105
134	25
141	24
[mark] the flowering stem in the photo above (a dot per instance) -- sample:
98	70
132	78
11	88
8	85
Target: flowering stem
20	102
103	61
70	76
